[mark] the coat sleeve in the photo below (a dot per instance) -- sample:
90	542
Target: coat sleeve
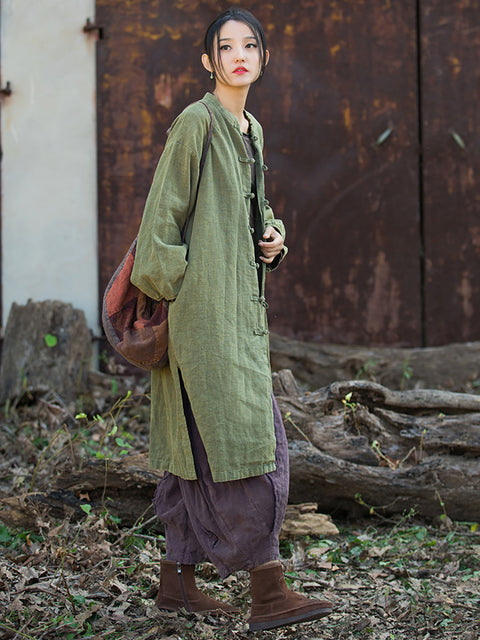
268	216
270	220
160	260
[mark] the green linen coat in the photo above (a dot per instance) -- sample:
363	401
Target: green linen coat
218	337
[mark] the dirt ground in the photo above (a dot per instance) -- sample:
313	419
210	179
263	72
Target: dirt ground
94	578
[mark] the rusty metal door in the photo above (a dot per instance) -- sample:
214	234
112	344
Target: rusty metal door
340	108
340	112
147	71
450	81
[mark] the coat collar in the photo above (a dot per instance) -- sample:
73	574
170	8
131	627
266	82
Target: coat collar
214	103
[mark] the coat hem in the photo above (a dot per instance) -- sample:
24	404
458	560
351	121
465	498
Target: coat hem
237	474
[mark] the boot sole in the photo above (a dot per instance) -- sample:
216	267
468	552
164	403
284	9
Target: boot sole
282	622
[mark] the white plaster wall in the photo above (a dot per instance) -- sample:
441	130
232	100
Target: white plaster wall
49	173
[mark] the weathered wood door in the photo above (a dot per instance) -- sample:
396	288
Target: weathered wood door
341	104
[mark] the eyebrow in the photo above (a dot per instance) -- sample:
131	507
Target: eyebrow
245	38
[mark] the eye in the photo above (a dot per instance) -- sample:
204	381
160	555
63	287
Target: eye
225	47
252	45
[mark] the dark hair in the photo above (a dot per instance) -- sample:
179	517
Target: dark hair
212	35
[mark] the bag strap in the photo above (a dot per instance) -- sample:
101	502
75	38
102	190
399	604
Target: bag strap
202	164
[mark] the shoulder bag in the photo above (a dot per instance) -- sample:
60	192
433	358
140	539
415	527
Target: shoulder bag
136	325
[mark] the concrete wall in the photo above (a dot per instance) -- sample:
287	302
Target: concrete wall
49	173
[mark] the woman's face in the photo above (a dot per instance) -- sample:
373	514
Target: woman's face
237	56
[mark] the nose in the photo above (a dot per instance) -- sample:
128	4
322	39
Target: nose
240	57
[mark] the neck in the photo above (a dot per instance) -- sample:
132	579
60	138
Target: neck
233	100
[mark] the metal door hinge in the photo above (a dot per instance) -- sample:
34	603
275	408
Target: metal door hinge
89	27
6	90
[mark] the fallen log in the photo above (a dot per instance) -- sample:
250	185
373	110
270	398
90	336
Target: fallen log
454	367
356	445
123	487
369	393
130	504
429	489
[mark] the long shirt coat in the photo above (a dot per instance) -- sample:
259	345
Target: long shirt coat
214	285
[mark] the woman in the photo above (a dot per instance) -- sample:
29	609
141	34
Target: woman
215	428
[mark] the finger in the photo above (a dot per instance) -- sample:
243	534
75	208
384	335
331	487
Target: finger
271	234
267	260
268	231
269	250
273	239
271	247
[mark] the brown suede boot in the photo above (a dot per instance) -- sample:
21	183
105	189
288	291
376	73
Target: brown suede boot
178	589
274	605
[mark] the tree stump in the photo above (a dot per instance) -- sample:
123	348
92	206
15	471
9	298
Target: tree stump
47	347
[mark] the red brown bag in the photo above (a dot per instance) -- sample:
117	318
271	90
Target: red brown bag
136	325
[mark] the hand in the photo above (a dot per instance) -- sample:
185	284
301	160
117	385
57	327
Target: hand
271	244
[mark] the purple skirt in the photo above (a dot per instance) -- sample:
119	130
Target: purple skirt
236	524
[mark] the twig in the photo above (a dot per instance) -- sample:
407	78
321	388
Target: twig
138	525
142	536
18	632
36	587
405	458
42	457
295	426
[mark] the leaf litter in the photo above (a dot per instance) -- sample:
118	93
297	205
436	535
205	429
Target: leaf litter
95	579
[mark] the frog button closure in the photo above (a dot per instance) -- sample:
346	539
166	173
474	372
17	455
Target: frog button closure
260	299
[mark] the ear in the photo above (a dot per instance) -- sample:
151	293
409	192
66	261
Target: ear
267	56
206	63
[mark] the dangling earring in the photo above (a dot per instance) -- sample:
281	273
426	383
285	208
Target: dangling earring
211	75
